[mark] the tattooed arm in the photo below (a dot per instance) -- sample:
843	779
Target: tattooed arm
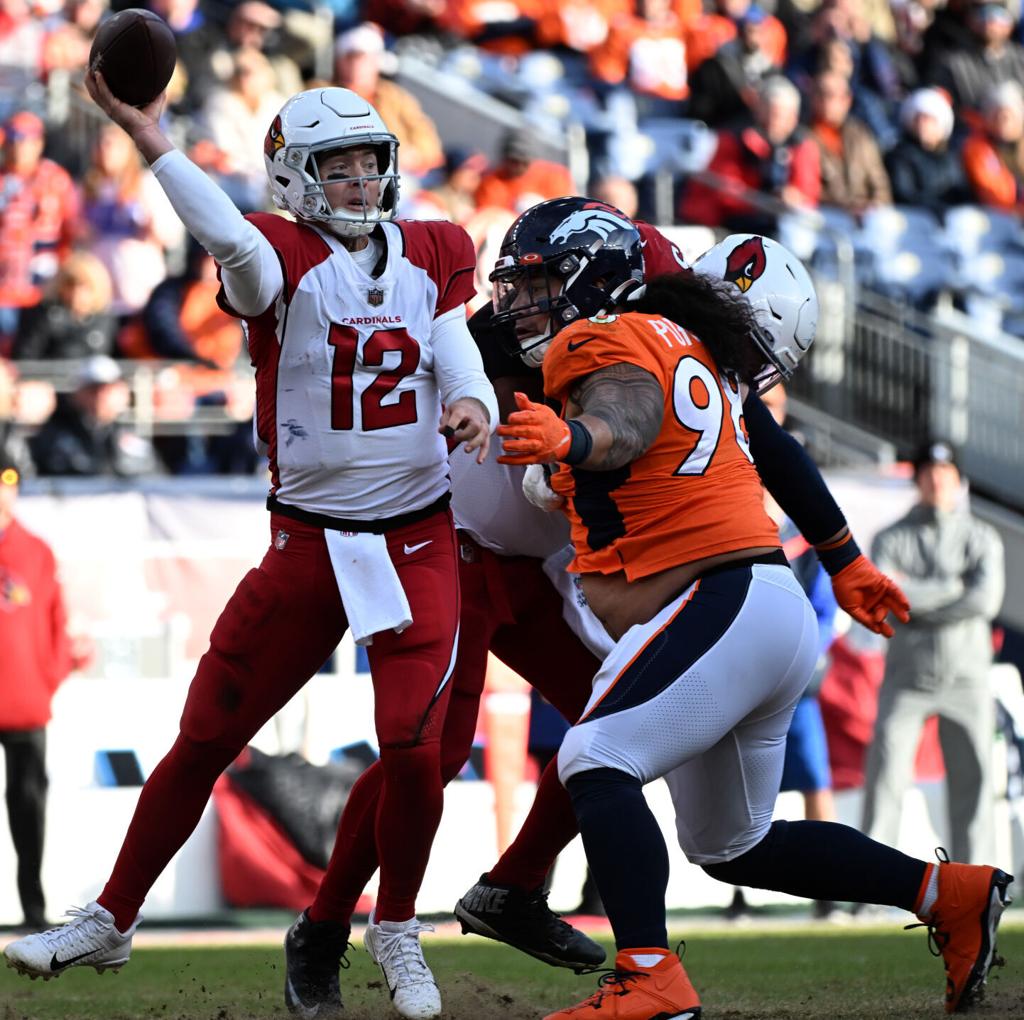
621	406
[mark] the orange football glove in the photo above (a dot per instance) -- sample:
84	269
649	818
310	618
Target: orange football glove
869	596
534	434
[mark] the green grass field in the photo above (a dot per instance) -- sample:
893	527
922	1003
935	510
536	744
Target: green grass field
810	972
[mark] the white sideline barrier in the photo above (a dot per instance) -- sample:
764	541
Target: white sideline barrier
86	822
150	569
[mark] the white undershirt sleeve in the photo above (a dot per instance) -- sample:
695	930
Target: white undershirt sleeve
250	269
458	365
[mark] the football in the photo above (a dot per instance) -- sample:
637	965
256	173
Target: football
135	52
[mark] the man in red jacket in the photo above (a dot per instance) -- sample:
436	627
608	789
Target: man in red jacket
36	658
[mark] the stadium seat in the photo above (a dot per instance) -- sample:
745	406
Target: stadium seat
819	246
969	229
998	276
675	144
895	228
914	275
901	251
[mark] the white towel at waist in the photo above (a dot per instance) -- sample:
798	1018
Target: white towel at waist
576	610
368	583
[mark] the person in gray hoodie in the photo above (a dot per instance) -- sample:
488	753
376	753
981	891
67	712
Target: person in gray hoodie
950	564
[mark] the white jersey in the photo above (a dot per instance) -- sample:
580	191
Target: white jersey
347	400
488	502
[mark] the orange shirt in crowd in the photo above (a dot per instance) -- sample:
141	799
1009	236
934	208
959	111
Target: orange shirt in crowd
652	55
467	18
712	31
540	181
992	179
39	219
695	492
580	25
829	137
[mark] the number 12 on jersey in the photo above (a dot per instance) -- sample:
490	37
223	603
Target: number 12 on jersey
375	413
698	405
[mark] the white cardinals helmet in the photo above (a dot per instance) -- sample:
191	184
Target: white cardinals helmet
780	290
324	120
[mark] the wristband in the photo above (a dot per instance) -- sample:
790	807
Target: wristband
580	445
837	555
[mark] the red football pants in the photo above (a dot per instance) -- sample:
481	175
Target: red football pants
278	628
509	607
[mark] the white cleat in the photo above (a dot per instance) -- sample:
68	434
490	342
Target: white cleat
89	939
395	947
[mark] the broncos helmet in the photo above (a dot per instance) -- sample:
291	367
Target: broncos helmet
779	290
324	120
562	260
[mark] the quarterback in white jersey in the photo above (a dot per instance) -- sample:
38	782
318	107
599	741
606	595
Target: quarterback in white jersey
356	327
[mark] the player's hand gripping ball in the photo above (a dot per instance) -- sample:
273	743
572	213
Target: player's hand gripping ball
135	52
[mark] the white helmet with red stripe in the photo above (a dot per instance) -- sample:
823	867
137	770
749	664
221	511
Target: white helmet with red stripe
320	121
781	293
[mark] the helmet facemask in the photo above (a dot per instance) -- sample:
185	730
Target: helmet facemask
349	222
314	204
556	291
777	366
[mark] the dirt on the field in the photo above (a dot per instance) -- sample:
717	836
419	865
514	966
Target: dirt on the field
468	998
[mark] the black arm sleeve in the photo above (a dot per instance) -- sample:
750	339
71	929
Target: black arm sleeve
790	475
494	342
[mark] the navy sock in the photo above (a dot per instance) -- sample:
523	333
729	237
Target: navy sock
826	861
626	853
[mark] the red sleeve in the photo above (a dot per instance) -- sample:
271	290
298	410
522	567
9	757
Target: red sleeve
298	248
60	658
709	205
447	254
806	171
661	256
70	224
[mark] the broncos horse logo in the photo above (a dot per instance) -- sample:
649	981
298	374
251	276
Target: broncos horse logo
746	263
593	218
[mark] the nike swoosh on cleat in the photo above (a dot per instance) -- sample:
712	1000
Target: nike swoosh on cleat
56	964
410	549
296	1005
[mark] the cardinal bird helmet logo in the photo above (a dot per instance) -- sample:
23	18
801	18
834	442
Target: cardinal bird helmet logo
275	139
745	263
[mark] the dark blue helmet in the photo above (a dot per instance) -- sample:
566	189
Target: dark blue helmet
563	260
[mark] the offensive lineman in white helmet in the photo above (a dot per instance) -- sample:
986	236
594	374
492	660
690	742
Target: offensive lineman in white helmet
356	327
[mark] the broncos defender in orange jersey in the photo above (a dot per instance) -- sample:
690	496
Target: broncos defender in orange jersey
655	452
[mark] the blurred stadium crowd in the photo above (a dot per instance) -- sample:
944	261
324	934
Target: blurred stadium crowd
893	128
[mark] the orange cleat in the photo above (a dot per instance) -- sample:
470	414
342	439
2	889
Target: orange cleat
639	988
962	927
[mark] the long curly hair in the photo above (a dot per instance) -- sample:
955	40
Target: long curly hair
714	312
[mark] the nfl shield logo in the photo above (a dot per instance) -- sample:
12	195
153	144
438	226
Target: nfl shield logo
281	540
375	296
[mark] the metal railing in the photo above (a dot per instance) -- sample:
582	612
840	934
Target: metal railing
146	380
906	377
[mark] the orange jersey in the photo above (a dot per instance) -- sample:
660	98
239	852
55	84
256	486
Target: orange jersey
695	492
652	56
